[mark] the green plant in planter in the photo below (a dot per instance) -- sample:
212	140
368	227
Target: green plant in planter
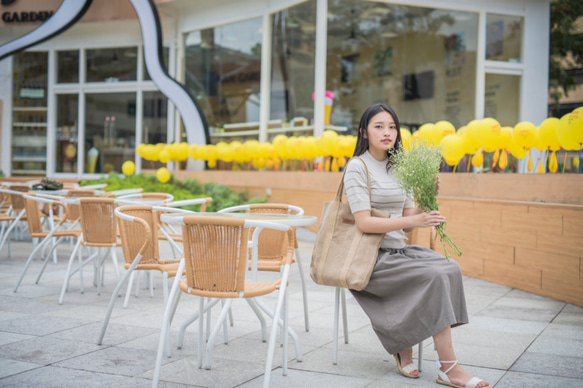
222	195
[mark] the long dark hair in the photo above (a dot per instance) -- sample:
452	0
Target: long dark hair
362	142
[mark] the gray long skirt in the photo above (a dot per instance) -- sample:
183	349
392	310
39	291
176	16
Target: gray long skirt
413	294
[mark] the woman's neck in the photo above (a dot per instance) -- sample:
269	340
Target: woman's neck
379	155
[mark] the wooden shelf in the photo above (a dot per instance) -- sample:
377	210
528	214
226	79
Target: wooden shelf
29	109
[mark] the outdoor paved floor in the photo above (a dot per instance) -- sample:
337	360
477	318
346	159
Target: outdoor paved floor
514	338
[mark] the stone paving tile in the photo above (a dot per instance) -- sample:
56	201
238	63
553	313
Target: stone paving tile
549	364
56	377
517	326
115	334
521	380
12	367
8	338
40	324
299	378
114	360
526	314
224	373
557	346
43	350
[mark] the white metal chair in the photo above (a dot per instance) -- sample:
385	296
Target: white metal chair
215	260
272	245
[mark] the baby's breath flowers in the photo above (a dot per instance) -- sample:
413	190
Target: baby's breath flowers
415	170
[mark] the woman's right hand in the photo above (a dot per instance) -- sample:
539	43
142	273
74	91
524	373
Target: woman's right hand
427	220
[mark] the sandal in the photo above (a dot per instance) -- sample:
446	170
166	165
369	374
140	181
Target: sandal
444	380
407	369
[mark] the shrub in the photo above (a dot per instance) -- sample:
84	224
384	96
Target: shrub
222	195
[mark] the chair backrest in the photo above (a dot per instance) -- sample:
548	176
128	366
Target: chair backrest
33	216
17	200
132	234
215	253
272	243
98	223
74	212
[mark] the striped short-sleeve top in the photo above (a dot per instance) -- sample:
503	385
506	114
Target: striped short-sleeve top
385	194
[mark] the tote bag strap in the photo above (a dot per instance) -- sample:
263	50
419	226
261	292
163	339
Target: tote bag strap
340	190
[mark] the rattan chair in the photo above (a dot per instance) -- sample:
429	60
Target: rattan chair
273	244
416	237
33	218
215	260
99	227
138	227
16	214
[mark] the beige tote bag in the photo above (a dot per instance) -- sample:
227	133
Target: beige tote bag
343	256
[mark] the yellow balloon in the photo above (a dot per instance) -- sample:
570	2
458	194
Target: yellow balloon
505	137
472	145
525	134
426	132
163	174
164	156
150	152
440	130
478	159
548	133
212	163
279	145
538	141
327	142
487	133
140	150
193	151
564	135
405	137
516	149
576	124
452	148
182	151
128	167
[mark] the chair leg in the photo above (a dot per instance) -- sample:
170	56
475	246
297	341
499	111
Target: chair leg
304	292
151	277
12	226
259	315
68	272
225	328
211	340
335	331
344	317
420	359
164	333
129	290
190	320
200	333
53	249
276	321
27	263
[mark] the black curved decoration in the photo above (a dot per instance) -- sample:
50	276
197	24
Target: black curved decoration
68	13
193	117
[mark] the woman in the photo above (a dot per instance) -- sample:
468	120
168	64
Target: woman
414	293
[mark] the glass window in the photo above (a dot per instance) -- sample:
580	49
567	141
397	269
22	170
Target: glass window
166	55
503	38
68	66
502	98
29	113
67	113
110	126
223	71
420	61
154	123
112	64
293	61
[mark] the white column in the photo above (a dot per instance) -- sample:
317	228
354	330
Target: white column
51	151
535	51
265	94
480	68
320	67
81	116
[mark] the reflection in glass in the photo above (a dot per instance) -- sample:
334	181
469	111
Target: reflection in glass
154	123
68	66
293	61
420	61
112	64
503	38
223	71
502	98
110	126
29	112
67	147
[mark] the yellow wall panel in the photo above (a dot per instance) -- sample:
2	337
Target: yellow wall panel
547	261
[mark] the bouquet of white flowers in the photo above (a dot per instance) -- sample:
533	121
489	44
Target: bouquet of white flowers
416	170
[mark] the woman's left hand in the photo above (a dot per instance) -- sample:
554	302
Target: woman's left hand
437	185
